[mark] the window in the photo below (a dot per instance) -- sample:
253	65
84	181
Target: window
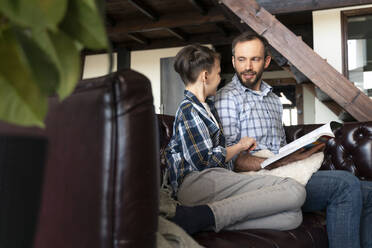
357	47
287	95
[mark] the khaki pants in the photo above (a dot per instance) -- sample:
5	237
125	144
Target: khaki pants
241	202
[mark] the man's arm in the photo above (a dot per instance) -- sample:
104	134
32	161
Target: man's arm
247	162
229	117
296	156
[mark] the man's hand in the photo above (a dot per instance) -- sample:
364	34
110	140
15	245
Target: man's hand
296	156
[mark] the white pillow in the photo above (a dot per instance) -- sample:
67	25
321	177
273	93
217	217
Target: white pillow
301	170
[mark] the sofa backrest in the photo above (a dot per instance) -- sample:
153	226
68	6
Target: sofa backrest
102	170
350	150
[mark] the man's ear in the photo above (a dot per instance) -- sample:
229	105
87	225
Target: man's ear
233	61
267	61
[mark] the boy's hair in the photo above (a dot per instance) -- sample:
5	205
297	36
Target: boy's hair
248	36
192	60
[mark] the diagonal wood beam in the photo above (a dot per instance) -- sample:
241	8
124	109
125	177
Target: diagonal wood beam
171	20
243	27
304	58
144	9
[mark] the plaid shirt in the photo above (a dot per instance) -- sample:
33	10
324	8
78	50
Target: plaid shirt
244	112
197	142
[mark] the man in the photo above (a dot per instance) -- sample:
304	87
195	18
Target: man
248	107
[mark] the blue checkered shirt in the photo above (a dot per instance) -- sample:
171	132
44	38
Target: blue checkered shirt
244	112
197	142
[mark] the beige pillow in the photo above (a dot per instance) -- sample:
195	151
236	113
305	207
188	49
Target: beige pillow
301	170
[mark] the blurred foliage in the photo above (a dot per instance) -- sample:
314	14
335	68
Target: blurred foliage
40	45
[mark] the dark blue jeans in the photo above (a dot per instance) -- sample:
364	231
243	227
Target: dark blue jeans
348	205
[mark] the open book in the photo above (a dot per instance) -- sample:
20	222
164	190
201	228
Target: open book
319	135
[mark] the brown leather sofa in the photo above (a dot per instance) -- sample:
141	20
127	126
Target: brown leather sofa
101	177
102	171
351	150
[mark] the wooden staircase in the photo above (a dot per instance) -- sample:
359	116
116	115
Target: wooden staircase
332	88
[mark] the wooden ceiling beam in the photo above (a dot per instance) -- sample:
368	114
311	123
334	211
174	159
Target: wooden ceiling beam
171	20
177	33
144	9
197	4
221	29
291	6
208	38
110	21
139	38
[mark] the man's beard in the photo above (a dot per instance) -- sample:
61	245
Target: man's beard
248	84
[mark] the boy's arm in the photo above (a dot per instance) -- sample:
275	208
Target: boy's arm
197	144
245	144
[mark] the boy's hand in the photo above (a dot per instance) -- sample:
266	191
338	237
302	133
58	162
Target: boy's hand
247	143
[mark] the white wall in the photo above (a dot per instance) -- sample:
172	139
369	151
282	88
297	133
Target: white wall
98	65
328	44
309	103
147	62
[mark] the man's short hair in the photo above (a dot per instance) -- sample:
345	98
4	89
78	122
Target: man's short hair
192	60
248	36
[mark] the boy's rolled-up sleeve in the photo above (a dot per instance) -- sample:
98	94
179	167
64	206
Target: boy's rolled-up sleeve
197	144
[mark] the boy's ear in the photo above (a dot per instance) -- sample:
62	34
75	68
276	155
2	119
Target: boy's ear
205	75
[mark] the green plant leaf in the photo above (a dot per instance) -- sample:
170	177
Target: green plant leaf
69	62
65	54
34	13
38	55
84	23
21	101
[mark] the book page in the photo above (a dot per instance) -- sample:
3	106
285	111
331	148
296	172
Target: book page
317	136
308	138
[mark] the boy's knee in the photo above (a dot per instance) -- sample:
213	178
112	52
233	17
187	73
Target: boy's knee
296	193
293	221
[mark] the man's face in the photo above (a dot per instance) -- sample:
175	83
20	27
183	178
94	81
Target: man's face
249	62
